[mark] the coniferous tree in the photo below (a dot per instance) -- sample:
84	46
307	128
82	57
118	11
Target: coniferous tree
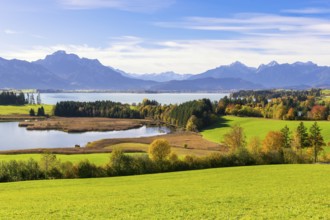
286	137
316	140
32	113
41	111
302	136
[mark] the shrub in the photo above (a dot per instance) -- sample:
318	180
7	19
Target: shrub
120	164
85	169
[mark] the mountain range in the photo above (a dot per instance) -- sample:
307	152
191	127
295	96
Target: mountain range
70	72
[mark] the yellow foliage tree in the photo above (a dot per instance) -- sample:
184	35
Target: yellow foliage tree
159	150
273	142
235	138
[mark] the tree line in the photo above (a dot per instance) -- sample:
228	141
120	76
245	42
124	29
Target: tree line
160	158
199	113
282	104
95	109
192	115
11	98
300	146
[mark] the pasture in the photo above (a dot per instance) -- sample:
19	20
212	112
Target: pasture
98	159
257	127
23	110
256	192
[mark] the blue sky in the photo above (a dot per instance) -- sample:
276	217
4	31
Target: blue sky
185	36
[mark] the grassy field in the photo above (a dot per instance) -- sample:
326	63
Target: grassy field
23	110
259	192
98	159
326	92
257	127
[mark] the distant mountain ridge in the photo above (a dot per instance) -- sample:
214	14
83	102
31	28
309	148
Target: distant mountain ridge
61	70
83	73
274	75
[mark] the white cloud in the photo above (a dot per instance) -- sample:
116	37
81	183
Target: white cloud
255	39
9	31
248	23
308	11
126	5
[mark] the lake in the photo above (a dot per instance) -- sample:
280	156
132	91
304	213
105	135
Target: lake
14	137
129	98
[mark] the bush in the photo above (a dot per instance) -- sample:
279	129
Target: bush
18	171
120	164
85	169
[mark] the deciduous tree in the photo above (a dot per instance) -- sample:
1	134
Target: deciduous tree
273	142
235	138
159	150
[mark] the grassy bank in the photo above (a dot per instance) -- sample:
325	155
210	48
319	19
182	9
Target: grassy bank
259	192
258	127
23	110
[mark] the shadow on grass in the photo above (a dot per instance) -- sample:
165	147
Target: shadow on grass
221	122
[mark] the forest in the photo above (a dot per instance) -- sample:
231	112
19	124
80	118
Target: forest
276	104
95	109
196	115
11	98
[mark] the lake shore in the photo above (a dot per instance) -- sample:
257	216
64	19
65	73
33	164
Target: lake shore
19	118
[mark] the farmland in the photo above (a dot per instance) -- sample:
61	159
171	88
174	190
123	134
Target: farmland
257	127
278	192
24	109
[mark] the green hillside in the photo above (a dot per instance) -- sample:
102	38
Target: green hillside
259	192
258	127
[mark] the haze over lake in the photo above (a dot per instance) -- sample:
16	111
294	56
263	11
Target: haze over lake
129	98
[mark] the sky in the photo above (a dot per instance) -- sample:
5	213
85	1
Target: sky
152	36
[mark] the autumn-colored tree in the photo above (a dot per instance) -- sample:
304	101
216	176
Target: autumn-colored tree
192	123
159	150
291	114
318	112
279	111
235	138
254	145
316	140
273	142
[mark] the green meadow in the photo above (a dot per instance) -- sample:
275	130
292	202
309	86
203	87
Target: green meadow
98	159
257	127
256	192
23	110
